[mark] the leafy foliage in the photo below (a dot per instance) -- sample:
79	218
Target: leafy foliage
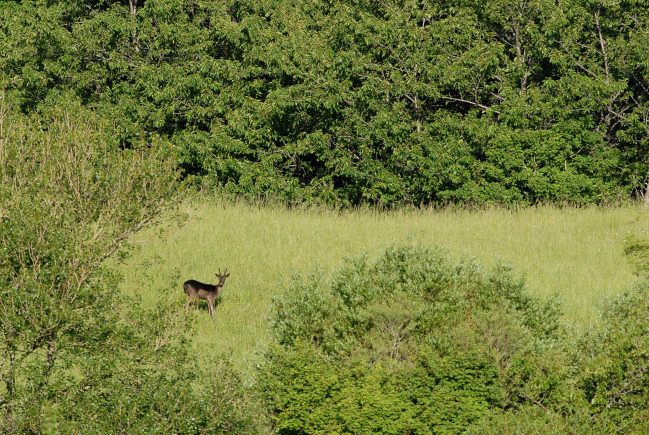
413	342
615	373
75	356
637	251
335	102
343	102
410	342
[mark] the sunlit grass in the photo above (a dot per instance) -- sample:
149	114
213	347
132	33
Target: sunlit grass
575	252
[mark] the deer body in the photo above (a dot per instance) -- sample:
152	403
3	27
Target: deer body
196	290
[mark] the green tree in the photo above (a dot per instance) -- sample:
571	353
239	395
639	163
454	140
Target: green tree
345	102
74	352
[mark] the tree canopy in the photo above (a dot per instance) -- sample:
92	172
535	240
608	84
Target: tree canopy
350	102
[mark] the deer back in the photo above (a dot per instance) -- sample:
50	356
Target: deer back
198	289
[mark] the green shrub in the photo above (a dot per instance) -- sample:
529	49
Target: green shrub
311	393
410	342
535	420
606	389
637	251
614	376
76	356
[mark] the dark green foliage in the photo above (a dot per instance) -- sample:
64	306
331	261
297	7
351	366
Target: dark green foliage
410	342
344	102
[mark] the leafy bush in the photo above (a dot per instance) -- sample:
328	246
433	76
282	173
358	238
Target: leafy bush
607	386
637	251
75	356
412	342
614	376
409	342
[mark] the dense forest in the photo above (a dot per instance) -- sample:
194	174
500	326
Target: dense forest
350	102
110	109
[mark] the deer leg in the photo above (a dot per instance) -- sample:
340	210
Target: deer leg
190	299
210	302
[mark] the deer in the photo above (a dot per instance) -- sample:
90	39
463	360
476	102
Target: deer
196	290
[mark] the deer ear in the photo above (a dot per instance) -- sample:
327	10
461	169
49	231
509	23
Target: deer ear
227	275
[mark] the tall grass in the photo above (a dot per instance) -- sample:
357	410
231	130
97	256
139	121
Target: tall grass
575	252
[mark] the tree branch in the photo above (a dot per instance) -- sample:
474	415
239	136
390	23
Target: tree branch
473	103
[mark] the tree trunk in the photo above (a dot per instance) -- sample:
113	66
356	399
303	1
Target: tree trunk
133	10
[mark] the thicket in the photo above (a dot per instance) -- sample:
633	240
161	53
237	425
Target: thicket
412	342
348	102
76	355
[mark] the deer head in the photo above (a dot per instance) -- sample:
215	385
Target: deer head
222	277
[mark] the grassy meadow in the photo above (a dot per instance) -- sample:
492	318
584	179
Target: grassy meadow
577	253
